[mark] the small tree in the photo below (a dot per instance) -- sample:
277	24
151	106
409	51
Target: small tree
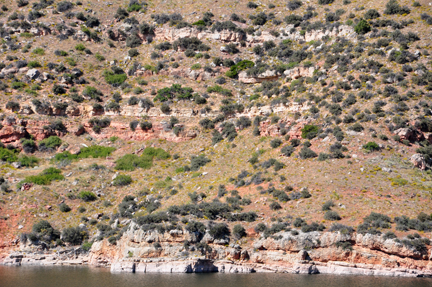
332	215
275	206
73	235
122	180
325	2
133	125
133	52
306	153
371	146
219	230
275	143
309	131
87	196
239	231
362	27
64	207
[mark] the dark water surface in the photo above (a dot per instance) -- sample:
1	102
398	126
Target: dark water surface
96	277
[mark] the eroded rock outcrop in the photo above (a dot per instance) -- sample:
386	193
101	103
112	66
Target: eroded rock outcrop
314	252
299	72
283	252
269	75
419	161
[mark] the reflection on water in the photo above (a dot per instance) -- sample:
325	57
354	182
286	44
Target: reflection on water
96	277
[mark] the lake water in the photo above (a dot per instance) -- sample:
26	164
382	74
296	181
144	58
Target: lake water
97	277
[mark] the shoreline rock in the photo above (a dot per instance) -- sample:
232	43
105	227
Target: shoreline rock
156	265
303	253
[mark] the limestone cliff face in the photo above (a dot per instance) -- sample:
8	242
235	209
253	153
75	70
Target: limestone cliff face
173	34
313	252
290	252
14	129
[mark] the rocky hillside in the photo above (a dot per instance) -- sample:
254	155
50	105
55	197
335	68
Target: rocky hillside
250	132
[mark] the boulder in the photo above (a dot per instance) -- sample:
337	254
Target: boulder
73	111
33	74
26	110
9	71
299	72
269	75
419	161
409	134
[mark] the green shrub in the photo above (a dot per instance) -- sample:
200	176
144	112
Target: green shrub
372	14
85	152
332	215
34	64
41	225
371	146
113	78
87	246
146	126
393	7
323	156
122	180
306	153
26	35
275	143
74	235
64	207
345	245
218	89
327	205
95	151
99	57
50	143
66	155
45	178
175	91
389	235
305	193
11	105
133	52
80	47
28	145
134	7
239	231
196	66
113	240
207	123
71	61
158	153
8	155
43	230
92	93
356	127
179	170
287	150
61	53
219	230
325	2
133	41
18	85
237	68
362	27
131	162
199	161
87	196
28	161
309	131
275	206
39	51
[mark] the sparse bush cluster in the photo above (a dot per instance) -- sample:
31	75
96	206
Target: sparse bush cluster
130	162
